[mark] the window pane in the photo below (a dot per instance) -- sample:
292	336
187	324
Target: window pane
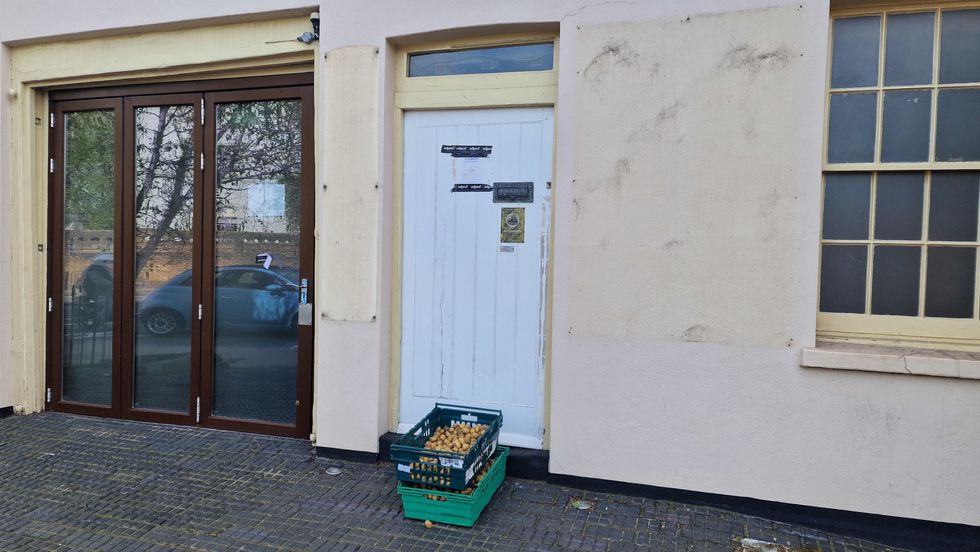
852	128
895	282
500	59
950	277
953	204
908	54
846	206
843	269
959	47
957	121
855	60
898	206
257	191
89	172
164	207
905	132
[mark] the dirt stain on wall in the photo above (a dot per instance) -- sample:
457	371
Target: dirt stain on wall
745	57
614	54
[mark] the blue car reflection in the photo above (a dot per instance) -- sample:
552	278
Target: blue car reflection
246	297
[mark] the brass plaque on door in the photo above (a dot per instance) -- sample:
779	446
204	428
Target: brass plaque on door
512	225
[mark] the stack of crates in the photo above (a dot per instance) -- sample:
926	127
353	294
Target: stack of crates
417	466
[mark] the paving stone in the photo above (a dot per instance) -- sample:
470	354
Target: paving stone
76	483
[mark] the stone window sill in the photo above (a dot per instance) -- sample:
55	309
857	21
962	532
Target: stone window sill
893	360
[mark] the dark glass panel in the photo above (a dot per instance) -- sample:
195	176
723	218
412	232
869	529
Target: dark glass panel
852	128
957	121
843	270
898	206
895	281
953	204
950	277
846	206
257	209
960	43
89	180
856	41
164	256
497	59
905	126
908	52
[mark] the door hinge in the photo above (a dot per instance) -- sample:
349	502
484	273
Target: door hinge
52	119
50	305
49	394
200	311
202	111
197	411
202	161
51	165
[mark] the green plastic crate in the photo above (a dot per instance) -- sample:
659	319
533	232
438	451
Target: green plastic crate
452	470
456	509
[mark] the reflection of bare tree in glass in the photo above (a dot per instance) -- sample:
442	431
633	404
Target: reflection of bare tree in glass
164	178
258	141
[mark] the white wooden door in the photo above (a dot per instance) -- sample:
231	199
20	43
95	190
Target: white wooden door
475	265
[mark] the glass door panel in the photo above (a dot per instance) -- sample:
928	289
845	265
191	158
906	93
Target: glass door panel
257	204
89	226
163	256
180	225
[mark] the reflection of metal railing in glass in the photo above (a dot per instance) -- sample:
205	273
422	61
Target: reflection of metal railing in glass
89	225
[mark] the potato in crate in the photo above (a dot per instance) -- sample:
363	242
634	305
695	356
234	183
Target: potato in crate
447	447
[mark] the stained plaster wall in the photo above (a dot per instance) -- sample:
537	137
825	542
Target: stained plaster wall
686	221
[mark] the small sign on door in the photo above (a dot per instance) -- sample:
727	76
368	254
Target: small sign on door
512	225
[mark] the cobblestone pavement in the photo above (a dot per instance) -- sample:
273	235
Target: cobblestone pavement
79	483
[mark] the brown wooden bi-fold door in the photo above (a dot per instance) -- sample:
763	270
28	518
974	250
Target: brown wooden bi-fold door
152	188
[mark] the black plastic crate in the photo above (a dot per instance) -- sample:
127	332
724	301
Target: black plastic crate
452	470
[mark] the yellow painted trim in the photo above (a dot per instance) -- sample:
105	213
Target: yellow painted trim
478	98
520	89
871	7
397	212
233	50
162	53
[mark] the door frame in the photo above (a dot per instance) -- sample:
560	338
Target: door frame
457	118
123	99
128	325
307	268
482	91
55	275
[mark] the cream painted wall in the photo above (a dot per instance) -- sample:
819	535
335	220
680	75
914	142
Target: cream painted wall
686	222
6	379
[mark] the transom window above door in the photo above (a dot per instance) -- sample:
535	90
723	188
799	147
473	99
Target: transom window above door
901	187
510	58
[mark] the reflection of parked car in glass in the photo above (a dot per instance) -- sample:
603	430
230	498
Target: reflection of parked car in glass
94	302
249	296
